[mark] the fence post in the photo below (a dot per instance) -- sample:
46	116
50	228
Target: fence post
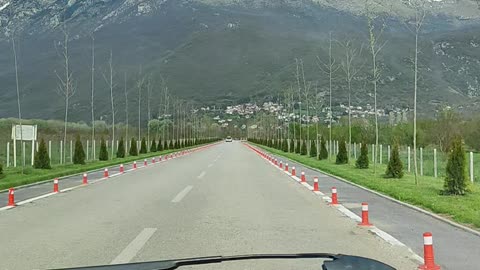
373	153
71	151
61	151
50	151
381	153
471	168
93	150
435	163
33	152
408	162
355	150
88	150
23	151
8	154
388	153
421	161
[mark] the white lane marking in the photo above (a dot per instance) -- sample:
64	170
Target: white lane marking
134	247
36	198
202	174
210	165
6	208
182	194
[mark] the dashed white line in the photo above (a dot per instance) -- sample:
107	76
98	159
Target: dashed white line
202	174
134	247
210	165
182	194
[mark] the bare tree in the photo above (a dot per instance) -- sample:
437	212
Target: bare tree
66	87
419	17
140	85
18	103
109	81
306	92
126	110
92	105
375	45
149	111
350	69
329	68
297	76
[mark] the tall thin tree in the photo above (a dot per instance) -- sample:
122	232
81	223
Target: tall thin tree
66	87
18	102
109	81
92	104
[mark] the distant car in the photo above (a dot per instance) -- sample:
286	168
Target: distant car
229	139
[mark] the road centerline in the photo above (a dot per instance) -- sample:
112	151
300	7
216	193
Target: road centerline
134	247
202	174
182	194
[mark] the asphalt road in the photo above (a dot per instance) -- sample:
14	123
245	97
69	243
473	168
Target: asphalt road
223	200
454	247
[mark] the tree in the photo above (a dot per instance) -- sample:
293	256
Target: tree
329	68
350	70
18	102
121	149
103	151
42	160
66	87
92	96
395	166
455	180
170	145
342	156
375	47
313	149
133	148
111	85
153	147
160	145
362	161
125	92
291	146
143	146
303	150
79	154
323	149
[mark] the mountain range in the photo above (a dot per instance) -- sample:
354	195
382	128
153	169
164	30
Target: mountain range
222	52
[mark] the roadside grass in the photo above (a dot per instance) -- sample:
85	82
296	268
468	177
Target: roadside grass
427	194
13	177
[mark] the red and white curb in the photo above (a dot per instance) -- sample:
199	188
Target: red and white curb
106	175
346	212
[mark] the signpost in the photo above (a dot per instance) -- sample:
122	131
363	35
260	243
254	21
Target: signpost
23	133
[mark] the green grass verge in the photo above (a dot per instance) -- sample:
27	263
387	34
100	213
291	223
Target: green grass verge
426	195
13	177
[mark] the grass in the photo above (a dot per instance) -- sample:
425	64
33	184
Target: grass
12	177
462	209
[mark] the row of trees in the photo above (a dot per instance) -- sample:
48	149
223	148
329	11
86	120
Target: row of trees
42	160
455	182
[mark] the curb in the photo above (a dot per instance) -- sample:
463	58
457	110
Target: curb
413	207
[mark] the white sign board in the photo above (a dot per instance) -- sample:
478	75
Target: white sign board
24	132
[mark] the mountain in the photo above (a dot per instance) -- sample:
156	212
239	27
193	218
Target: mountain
220	52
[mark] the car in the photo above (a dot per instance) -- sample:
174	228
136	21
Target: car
228	139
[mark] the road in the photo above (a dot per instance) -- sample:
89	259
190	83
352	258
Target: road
454	247
223	200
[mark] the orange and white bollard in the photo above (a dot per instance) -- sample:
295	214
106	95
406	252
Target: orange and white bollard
293	171
105	173
365	221
55	185
334	196
85	179
281	165
145	162
286	167
159	158
302	178
135	165
428	256
11	197
153	160
121	168
315	184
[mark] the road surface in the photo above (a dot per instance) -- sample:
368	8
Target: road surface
223	200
